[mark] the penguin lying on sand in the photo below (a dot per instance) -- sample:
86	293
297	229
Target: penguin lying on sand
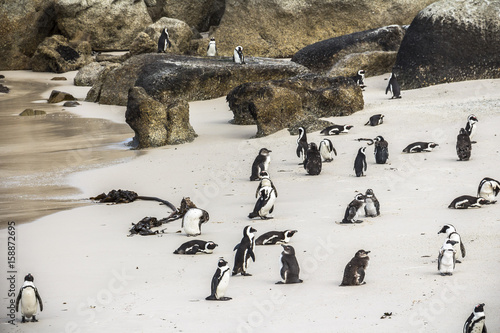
195	246
466	201
336	129
420	146
375	120
275	237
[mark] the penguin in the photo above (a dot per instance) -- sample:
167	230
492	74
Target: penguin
265	204
488	189
325	149
211	49
359	78
353	209
244	251
470	127
302	145
372	206
29	298
354	272
376	119
275	237
466	201
419	146
193	219
452	234
336	129
313	163
164	41
381	150
265	180
289	266
476	321
260	163
447	258
393	87
220	281
360	162
195	246
238	56
464	145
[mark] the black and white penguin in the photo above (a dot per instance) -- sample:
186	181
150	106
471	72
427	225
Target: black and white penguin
275	237
376	119
393	87
220	281
313	163
29	298
419	146
372	205
476	321
261	163
164	41
326	149
302	145
488	189
289	266
354	272
265	203
244	251
466	201
381	150
471	126
336	129
353	209
195	246
360	162
447	258
238	56
452	234
211	49
265	181
192	221
464	145
359	78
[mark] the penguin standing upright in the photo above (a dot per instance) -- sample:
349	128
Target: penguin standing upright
464	145
265	203
313	163
244	251
488	189
447	258
192	221
376	119
261	163
471	126
476	321
353	209
211	48
393	87
381	150
360	162
326	149
220	281
452	234
265	180
238	56
302	145
29	298
289	266
372	206
359	78
354	272
164	41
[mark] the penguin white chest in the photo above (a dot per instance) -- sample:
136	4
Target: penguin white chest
191	221
478	327
29	302
370	208
223	283
266	208
447	262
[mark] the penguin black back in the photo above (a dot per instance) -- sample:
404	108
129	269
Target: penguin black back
464	145
313	163
289	266
354	272
393	87
360	162
381	150
244	251
164	41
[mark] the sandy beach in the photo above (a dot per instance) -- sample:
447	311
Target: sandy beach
93	278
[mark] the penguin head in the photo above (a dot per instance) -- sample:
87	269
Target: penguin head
290	233
361	72
482	201
165	31
264	151
433	145
212	39
479	307
211	245
359	197
447	229
369	192
362	254
362	150
222	262
264	174
288	249
379	138
248	231
313	147
348	127
472	119
29	277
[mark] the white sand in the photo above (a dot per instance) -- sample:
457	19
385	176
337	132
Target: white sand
93	278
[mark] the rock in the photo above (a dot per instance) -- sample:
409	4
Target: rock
321	56
94	93
143	44
201	13
190	78
24	24
4	89
280	28
310	123
88	74
57	96
59	78
71	104
157	124
31	112
109	24
179	33
57	54
373	62
451	41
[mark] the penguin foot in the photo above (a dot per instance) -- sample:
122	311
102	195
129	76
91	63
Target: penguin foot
211	298
280	282
266	217
34	320
224	298
458	261
246	274
23	320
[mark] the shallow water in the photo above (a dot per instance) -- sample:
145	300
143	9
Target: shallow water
37	153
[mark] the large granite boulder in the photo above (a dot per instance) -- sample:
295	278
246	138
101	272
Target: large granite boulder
372	62
23	25
108	24
200	14
57	54
157	124
179	34
321	56
166	76
451	40
279	28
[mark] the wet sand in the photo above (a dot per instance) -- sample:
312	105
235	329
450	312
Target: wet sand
38	153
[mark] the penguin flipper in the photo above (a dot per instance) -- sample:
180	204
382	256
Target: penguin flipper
334	151
18	299
298	150
236	247
274	188
39	299
251	254
462	249
439	259
271	210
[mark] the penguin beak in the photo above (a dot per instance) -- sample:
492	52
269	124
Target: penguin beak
367	252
